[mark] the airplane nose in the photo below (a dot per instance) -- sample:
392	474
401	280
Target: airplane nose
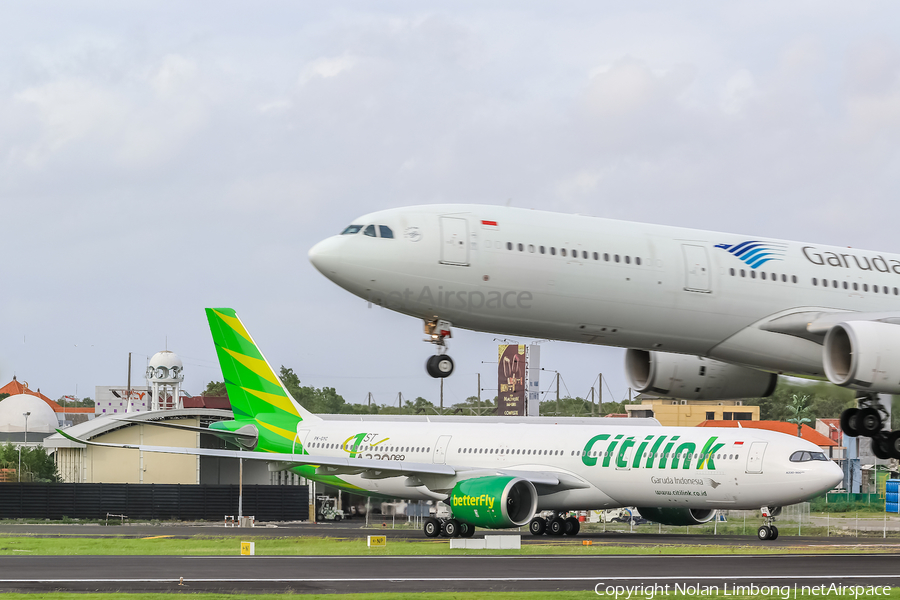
326	257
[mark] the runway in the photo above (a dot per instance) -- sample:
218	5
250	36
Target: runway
435	573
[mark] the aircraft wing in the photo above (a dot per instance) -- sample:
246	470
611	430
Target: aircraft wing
366	467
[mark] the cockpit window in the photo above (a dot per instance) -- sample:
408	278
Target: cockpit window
370	231
385	231
351	230
804	456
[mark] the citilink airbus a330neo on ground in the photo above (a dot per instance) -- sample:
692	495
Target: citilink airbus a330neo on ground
500	472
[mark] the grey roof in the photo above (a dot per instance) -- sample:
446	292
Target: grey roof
100	425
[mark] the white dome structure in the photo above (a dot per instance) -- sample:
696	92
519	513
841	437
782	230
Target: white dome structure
165	367
12	414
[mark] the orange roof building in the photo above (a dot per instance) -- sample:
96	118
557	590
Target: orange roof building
808	433
16	387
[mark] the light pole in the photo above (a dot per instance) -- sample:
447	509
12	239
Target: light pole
19	470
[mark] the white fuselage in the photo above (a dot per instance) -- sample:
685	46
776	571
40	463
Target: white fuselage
603	464
585	279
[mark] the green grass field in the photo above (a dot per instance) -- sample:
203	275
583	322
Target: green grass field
326	546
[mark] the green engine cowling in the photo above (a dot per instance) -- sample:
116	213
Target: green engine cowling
678	516
494	502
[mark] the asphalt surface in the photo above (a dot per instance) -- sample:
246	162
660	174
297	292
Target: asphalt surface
438	573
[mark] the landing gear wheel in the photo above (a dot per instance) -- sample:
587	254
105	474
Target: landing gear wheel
572	526
880	447
868	422
451	528
774	531
431	527
893	444
764	533
537	526
466	530
848	422
430	367
556	527
443	365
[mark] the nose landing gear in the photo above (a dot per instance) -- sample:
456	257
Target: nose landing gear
768	531
439	365
868	420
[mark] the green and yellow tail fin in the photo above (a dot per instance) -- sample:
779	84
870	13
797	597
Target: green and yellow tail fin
253	387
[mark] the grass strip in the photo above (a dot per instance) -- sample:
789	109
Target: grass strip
334	546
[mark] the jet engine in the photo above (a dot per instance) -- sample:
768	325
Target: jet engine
695	378
678	516
494	502
864	355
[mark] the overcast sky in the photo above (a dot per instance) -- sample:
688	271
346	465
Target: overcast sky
160	157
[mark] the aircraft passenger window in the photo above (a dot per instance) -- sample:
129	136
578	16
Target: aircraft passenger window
743	273
552	250
531	247
784	278
845	285
896	291
596	256
562	251
627	260
509	245
542	249
855	286
884	289
865	287
617	258
875	288
584	254
763	274
606	257
752	274
370	231
637	260
386	232
521	247
351	230
732	271
815	281
774	277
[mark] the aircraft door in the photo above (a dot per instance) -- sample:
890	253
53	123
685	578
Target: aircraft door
454	241
626	458
755	458
696	268
440	449
299	440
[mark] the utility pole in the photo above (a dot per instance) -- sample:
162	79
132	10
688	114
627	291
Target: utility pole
599	394
442	395
128	392
479	395
557	393
593	406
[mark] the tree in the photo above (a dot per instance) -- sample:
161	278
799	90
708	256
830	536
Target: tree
799	409
37	465
215	388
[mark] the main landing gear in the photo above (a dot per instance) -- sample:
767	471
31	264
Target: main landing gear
439	365
868	420
447	528
768	531
557	525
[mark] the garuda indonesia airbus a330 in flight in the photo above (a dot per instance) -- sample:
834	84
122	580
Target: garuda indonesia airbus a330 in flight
703	314
500	472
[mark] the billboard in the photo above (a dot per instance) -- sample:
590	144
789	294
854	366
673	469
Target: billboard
511	380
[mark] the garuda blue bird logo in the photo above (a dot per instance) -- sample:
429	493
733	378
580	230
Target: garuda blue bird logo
756	253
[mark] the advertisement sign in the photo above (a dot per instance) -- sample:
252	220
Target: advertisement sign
511	380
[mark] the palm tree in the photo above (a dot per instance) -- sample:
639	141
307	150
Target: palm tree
799	411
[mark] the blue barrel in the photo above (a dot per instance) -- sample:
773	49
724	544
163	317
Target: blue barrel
892	496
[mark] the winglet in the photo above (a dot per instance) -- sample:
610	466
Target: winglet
72	438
